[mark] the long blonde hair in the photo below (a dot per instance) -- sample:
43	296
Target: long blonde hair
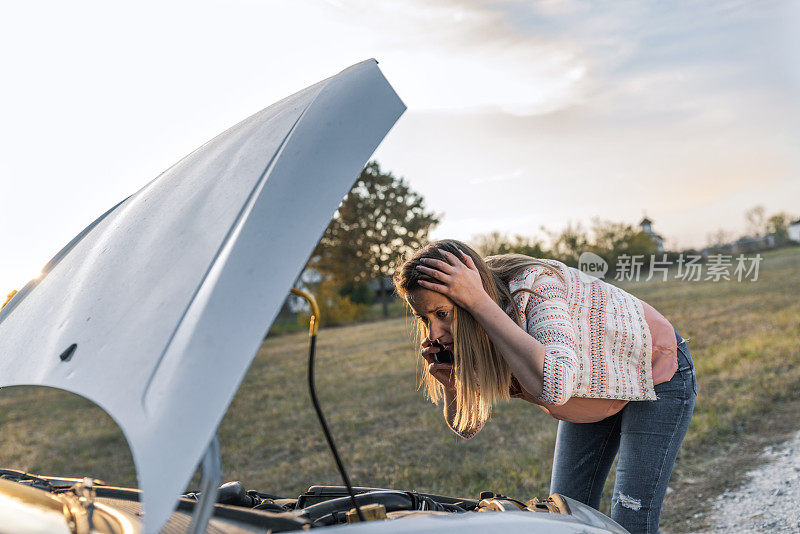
482	376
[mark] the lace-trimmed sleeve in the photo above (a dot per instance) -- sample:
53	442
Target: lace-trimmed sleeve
548	320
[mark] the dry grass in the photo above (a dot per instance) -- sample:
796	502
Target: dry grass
745	341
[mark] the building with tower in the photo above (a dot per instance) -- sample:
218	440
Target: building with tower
646	226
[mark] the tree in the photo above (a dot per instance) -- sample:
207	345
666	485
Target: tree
610	240
755	220
718	238
491	243
496	242
528	246
568	244
378	223
778	225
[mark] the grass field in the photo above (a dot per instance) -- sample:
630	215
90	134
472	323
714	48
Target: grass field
745	341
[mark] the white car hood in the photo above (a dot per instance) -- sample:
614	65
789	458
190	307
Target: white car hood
167	297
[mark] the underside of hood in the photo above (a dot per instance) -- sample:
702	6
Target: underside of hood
155	311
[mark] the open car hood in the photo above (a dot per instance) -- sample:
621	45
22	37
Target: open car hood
156	310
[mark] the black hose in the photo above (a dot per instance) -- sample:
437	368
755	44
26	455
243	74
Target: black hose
321	417
325	513
317	494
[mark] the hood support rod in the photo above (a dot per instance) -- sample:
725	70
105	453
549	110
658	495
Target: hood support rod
211	465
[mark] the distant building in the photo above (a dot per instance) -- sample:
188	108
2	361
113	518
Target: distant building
379	285
742	245
794	231
752	244
646	225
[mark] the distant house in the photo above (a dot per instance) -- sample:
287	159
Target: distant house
742	245
646	225
379	285
294	304
794	231
752	244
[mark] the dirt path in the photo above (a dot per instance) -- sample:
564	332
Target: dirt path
769	500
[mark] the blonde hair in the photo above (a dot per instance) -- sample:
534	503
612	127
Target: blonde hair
482	376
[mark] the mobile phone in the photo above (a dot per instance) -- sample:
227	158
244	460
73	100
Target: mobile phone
443	356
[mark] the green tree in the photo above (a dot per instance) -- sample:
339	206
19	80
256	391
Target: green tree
490	243
607	239
358	292
611	239
495	242
569	243
379	221
778	224
529	246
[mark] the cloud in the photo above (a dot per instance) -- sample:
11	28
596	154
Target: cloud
525	58
468	57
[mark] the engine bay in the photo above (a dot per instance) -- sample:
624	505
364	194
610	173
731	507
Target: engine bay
240	510
332	505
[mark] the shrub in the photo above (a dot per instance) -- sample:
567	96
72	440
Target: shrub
333	307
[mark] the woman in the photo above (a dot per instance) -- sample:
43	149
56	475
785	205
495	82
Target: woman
611	368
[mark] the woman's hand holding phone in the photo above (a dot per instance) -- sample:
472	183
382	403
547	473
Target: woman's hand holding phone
443	372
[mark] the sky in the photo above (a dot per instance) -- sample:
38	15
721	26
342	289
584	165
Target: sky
521	114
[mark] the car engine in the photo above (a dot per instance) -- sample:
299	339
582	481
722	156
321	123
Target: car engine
89	504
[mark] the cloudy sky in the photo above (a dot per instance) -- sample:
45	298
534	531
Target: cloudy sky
520	113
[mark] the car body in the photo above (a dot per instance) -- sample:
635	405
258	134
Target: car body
201	258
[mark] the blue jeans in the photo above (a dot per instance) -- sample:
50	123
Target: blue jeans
648	435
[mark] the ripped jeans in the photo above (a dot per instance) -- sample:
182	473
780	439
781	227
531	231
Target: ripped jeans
648	435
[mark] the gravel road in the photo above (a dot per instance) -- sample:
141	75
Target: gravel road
769	500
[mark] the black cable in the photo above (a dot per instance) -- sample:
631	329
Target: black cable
312	390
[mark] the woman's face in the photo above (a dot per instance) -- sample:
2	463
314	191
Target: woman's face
436	312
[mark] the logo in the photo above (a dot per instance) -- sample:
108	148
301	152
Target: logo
592	264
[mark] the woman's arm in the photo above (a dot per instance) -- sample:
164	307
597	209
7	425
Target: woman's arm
548	320
547	370
461	282
523	353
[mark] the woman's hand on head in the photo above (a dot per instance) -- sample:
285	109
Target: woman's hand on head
443	372
458	279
